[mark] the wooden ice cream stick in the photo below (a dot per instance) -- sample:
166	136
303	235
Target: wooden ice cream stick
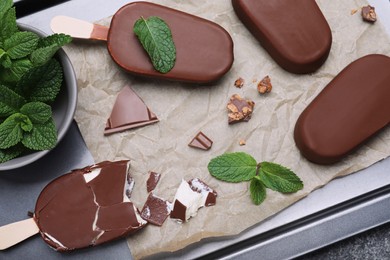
14	233
79	28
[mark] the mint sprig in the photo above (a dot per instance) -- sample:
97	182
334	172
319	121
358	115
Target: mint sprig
31	79
156	38
239	166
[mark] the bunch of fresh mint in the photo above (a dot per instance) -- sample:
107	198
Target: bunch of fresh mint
30	79
238	167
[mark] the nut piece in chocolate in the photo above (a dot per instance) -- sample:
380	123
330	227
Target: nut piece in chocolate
264	85
368	14
240	110
201	141
239	83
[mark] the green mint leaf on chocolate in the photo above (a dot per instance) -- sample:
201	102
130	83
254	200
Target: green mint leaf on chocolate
42	136
257	191
156	38
233	167
20	44
238	167
279	178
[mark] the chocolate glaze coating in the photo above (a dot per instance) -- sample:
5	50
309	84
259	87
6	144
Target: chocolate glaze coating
295	33
350	109
72	213
204	50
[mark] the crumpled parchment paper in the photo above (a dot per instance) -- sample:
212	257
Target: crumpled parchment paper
185	109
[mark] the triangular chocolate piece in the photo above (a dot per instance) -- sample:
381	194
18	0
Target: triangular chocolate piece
129	112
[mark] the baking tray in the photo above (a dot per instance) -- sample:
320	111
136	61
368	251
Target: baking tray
358	206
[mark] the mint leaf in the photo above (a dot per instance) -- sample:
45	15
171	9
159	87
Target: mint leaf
11	131
42	55
41	83
7	22
257	191
279	178
21	44
57	39
5	5
17	69
42	136
10	101
156	38
10	153
233	167
38	112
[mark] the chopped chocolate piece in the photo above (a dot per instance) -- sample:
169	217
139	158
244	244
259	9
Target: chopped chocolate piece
294	33
152	181
242	142
186	202
239	109
264	85
87	207
129	112
239	83
350	110
155	210
209	195
201	141
368	14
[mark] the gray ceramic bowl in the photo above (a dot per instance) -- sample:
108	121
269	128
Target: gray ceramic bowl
63	108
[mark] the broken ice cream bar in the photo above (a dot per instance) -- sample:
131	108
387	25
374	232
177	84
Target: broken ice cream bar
83	208
204	49
152	181
155	210
201	141
190	196
129	112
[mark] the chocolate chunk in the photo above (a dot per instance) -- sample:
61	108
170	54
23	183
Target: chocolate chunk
209	195
204	50
239	83
294	33
152	181
179	211
352	108
155	210
129	112
87	207
201	141
264	85
368	14
239	109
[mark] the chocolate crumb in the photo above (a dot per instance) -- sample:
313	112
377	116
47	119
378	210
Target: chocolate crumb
242	142
239	109
152	181
368	14
354	11
239	83
264	85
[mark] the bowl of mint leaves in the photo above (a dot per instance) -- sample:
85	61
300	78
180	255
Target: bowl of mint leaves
38	91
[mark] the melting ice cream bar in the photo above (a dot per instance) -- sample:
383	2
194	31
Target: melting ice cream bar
84	208
190	196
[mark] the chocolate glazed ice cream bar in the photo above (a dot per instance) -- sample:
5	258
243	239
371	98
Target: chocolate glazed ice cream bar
83	208
204	50
294	33
352	108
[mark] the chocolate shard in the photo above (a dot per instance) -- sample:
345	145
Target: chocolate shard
87	207
190	197
152	181
155	210
240	110
201	141
129	111
209	195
